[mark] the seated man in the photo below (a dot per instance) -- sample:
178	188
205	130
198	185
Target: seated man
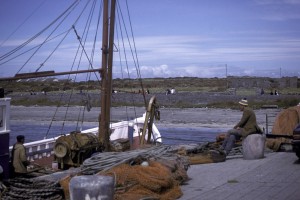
245	127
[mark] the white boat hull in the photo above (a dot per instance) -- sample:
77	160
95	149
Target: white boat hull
120	130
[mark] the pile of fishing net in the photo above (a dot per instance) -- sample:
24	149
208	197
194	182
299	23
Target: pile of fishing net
148	173
157	179
285	122
152	178
201	153
153	172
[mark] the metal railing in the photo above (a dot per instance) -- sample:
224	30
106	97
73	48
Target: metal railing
270	119
38	149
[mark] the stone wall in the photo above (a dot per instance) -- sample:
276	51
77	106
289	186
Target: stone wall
262	82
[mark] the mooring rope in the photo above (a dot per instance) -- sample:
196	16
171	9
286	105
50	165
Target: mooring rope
236	151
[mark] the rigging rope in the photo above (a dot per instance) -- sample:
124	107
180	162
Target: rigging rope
85	33
36	46
70	96
135	59
69	12
25	20
82	46
88	77
38	34
126	60
42	64
132	50
46	40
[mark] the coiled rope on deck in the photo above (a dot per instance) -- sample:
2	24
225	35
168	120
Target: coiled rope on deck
25	188
106	160
236	151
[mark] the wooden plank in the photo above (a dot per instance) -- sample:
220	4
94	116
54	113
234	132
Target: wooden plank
46	74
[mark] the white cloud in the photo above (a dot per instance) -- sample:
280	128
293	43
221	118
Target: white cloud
198	50
268	2
194	56
177	56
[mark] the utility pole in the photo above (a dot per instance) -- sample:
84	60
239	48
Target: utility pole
280	73
226	76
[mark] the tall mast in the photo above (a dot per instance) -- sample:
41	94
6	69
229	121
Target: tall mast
107	61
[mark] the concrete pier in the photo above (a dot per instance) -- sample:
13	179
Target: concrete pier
277	176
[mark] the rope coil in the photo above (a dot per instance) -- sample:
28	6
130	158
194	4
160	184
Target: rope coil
25	188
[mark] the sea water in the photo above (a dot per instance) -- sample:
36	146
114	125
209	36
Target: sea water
38	131
183	135
179	135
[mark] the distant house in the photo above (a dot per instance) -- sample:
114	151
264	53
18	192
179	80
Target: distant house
48	80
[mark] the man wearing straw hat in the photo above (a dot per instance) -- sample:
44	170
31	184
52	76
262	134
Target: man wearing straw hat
246	126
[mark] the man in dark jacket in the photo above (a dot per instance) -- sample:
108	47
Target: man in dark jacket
19	158
246	126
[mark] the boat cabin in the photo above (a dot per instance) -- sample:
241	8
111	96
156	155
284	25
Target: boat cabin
4	135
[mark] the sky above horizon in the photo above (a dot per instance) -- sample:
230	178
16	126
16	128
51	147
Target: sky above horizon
176	38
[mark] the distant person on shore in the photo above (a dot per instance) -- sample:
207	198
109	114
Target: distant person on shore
246	126
168	91
262	91
173	91
19	158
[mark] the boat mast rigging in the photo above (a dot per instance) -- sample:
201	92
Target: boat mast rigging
106	75
105	71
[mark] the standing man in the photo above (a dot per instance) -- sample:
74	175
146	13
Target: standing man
245	127
19	157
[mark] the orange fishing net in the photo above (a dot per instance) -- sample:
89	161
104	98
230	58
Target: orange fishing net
284	124
207	157
64	183
286	121
161	179
158	181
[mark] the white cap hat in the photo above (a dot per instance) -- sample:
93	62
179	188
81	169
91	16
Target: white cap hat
243	102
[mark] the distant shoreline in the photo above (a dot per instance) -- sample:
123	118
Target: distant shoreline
181	99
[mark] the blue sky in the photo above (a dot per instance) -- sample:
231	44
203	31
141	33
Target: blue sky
175	38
